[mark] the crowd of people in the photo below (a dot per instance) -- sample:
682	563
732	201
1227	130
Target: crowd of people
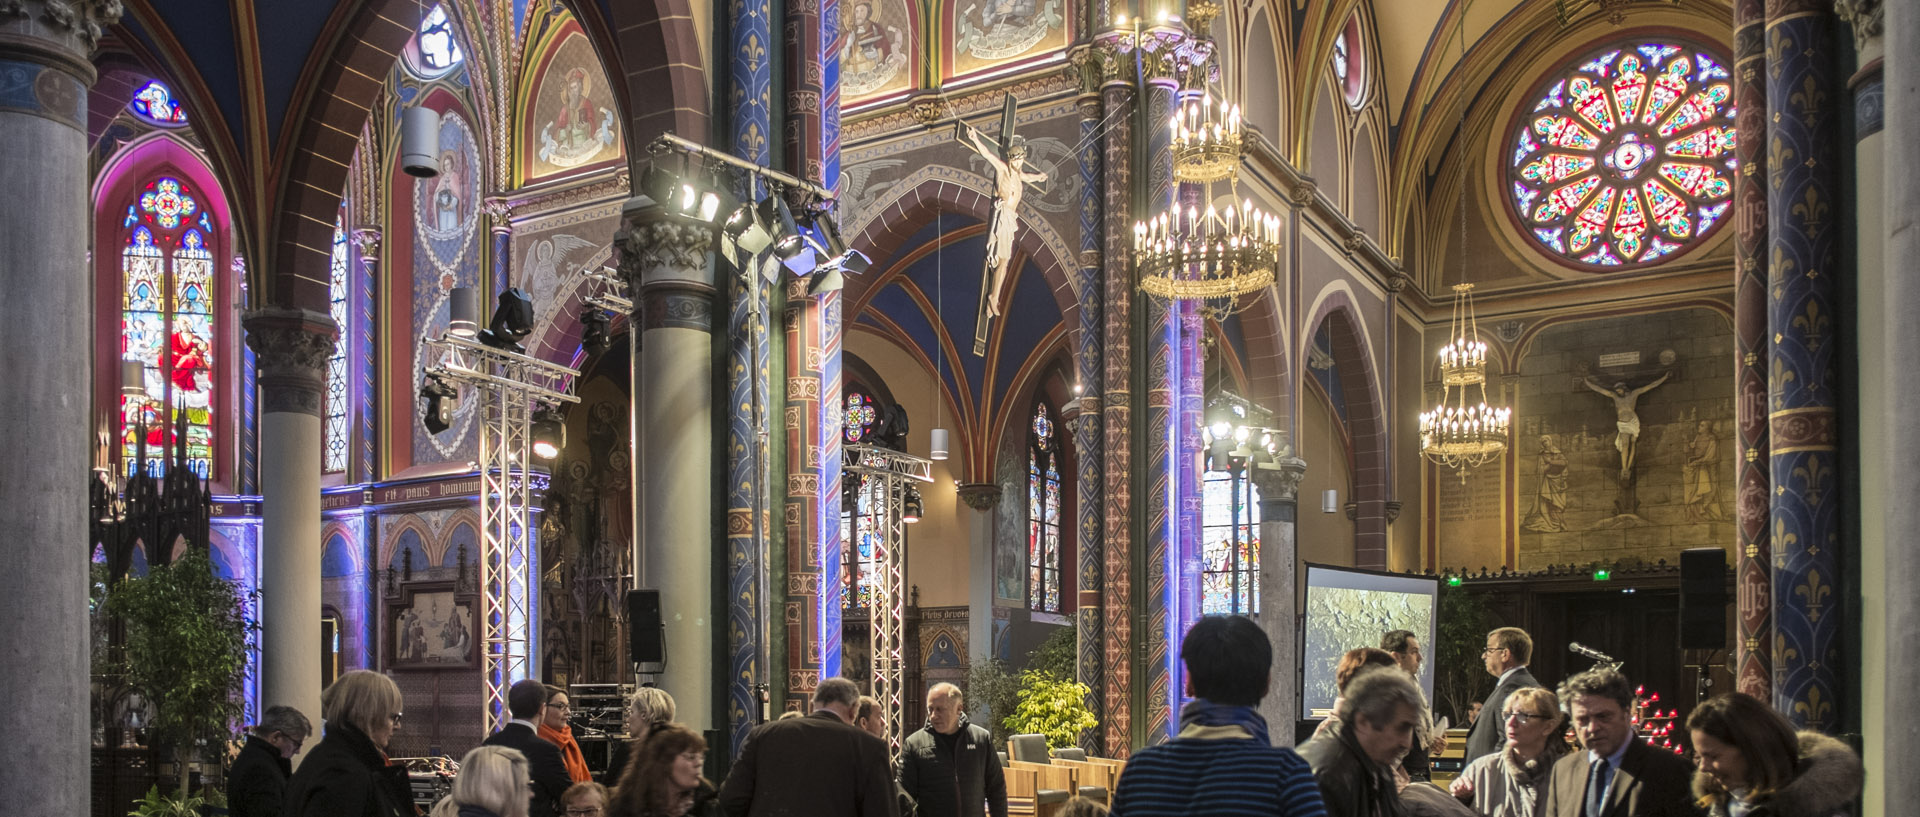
1531	752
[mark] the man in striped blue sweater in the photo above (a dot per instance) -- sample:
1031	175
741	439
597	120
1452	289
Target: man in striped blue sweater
1222	764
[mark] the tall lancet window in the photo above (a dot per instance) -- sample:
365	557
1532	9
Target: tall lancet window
335	459
1043	515
859	526
1230	545
167	322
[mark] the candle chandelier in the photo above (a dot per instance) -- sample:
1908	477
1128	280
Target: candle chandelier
1216	254
1457	433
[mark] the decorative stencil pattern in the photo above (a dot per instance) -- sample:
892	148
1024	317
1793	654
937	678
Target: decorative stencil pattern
1753	673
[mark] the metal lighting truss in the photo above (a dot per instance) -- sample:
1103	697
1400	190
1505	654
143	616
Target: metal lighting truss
508	385
884	473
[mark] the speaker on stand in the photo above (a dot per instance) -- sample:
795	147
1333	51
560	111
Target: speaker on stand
1703	611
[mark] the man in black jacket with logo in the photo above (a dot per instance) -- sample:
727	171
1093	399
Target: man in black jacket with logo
949	768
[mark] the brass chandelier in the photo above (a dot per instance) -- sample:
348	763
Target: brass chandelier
1458	434
1215	255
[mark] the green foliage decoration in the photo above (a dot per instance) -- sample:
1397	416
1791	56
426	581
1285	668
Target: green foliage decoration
989	683
1057	654
1052	706
187	647
156	804
1459	675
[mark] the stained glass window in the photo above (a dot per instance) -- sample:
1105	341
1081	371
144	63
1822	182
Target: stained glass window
1627	156
439	50
859	526
1230	545
167	315
154	103
335	459
1043	516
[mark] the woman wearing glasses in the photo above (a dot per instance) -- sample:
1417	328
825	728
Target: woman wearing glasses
665	779
346	774
492	783
1505	783
555	729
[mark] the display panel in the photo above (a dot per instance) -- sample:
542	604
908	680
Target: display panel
1348	608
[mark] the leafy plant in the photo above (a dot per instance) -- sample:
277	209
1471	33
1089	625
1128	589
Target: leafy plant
1052	706
989	683
156	804
1459	675
186	649
1055	656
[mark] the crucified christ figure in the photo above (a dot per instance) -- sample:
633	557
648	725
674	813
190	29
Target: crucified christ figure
1010	178
1627	420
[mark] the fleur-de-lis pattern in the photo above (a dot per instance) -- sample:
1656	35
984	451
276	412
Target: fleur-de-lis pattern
1088	435
1162	389
1754	566
1803	240
1118	420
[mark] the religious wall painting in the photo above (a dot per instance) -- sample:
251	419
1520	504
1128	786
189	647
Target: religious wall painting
446	254
880	49
986	33
552	255
434	626
569	123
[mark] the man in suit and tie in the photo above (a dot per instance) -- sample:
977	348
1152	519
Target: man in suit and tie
817	765
1619	774
1506	656
526	701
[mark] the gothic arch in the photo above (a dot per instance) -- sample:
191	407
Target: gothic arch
1366	422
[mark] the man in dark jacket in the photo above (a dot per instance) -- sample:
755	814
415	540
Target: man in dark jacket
817	765
949	768
1506	656
1354	761
525	702
1619	774
258	780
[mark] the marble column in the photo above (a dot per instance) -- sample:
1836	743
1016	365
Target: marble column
982	497
1889	725
45	455
291	347
1089	443
1804	96
1279	486
668	264
1118	94
1753	672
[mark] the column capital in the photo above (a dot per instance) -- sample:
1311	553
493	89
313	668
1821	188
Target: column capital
1868	18
367	239
56	32
656	248
1280	480
291	348
499	214
980	496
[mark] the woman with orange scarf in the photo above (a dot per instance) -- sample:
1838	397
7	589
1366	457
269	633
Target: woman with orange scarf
554	728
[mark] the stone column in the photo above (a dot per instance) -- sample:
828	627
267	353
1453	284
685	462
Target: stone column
982	497
1279	486
45	456
1089	444
1804	96
1753	673
1160	532
1888	725
669	267
364	423
1117	407
291	347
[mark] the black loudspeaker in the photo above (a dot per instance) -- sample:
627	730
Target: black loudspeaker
1703	599
646	638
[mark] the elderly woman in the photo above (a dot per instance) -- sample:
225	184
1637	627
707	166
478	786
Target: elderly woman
1507	783
665	779
492	783
1753	764
346	774
648	708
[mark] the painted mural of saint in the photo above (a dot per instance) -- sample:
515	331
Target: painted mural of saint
573	125
1696	476
449	192
1550	503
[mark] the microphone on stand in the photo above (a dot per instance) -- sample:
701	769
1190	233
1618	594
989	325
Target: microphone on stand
1578	648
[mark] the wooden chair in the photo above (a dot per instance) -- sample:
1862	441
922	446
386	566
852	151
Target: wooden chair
1030	751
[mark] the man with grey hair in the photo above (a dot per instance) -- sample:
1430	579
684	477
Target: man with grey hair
1353	761
817	765
949	768
258	780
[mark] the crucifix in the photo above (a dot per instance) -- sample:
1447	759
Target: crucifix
1011	175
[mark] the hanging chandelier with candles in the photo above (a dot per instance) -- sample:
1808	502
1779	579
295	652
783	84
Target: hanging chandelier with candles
1463	431
1217	254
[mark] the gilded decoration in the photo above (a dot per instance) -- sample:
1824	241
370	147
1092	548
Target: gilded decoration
571	121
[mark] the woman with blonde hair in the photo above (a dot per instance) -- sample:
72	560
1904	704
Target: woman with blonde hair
492	783
1507	783
1752	763
664	779
347	775
649	707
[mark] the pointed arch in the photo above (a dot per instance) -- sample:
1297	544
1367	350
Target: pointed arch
1365	418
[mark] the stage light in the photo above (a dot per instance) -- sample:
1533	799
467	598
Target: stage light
420	142
463	312
549	433
748	230
826	279
684	193
911	506
594	328
440	400
512	322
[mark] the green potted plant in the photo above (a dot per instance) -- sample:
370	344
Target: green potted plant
1052	706
187	647
156	804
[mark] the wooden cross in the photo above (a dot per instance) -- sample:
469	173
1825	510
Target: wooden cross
1011	177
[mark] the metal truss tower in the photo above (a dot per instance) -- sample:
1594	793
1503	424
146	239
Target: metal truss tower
884	474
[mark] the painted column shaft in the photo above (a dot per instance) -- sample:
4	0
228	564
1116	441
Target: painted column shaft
674	398
1090	666
807	584
1162	510
1753	666
1897	733
1803	97
46	453
1117	423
